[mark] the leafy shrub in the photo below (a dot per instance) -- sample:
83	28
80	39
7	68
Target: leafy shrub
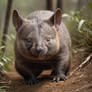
82	32
4	61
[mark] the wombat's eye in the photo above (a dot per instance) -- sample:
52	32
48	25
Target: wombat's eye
48	39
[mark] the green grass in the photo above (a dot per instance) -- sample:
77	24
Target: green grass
2	88
81	29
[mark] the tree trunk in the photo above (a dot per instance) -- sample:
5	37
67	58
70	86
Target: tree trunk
79	4
60	4
5	30
49	5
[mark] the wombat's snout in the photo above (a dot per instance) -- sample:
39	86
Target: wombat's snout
39	49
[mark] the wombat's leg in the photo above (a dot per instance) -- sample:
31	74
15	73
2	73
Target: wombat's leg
62	67
33	79
26	73
60	73
53	73
37	72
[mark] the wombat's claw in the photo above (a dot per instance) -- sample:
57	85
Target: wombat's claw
59	78
31	81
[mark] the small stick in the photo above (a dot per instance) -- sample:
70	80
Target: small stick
88	59
85	86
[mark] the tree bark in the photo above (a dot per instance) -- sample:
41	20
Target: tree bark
49	5
5	29
79	4
60	4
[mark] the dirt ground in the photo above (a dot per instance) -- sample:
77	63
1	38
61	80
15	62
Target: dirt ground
81	81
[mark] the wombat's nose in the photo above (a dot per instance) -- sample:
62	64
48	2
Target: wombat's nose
39	49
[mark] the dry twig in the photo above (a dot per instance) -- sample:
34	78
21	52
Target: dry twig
85	86
88	59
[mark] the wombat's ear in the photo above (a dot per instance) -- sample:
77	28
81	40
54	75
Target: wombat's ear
56	17
17	20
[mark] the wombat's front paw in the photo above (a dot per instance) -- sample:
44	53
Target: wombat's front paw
60	77
31	81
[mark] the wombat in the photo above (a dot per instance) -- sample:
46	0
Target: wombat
42	42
